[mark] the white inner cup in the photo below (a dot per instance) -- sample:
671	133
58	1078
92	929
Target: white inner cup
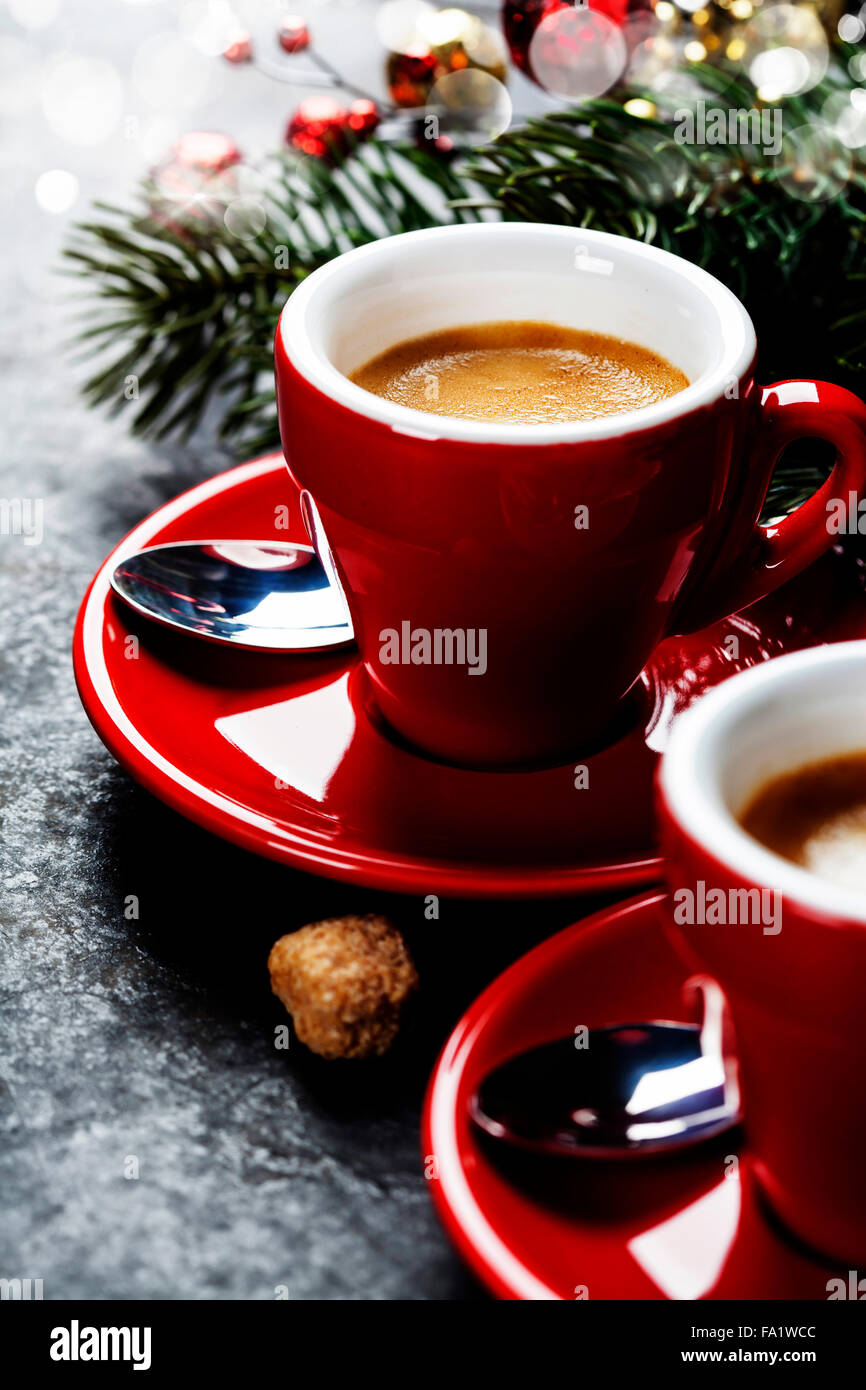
422	282
773	719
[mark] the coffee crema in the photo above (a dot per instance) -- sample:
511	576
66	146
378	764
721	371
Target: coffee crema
816	818
520	374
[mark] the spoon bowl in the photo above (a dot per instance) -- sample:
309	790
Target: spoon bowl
262	596
628	1090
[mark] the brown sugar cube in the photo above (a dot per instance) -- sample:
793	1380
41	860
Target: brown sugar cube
344	981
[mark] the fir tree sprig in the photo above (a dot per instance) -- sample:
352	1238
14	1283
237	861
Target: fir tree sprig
185	310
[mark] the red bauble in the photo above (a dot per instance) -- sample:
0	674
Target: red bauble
363	117
410	76
521	18
318	126
240	50
206	151
321	127
293	35
195	185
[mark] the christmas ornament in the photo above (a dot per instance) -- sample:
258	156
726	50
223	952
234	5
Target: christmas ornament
206	152
195	185
325	129
364	117
293	35
240	50
521	20
461	40
442	42
410	76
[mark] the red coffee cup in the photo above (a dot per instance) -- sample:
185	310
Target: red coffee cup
787	947
507	583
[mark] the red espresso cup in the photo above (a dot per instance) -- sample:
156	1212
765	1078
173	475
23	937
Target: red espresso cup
787	947
507	583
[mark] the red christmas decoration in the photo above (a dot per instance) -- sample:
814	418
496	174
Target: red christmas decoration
325	129
206	151
293	35
240	50
197	182
463	42
410	76
363	117
521	18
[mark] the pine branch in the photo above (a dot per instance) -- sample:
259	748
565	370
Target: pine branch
188	311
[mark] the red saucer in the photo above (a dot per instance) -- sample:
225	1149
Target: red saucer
282	755
536	1228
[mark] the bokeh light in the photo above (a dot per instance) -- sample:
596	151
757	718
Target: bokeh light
845	113
153	135
577	54
660	64
851	28
482	44
468	107
786	51
82	99
19	76
168	73
245	218
56	190
851	128
639	27
814	165
400	24
33	14
639	106
779	72
209	26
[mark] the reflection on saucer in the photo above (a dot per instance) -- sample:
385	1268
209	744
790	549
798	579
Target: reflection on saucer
300	742
686	1254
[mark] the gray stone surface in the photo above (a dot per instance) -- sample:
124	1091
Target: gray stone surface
154	1038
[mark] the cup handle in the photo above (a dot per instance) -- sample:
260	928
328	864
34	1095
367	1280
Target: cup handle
774	554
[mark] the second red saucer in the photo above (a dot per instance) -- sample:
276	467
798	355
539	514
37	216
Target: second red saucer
283	755
685	1226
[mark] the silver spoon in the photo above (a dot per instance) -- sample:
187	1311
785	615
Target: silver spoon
635	1089
262	596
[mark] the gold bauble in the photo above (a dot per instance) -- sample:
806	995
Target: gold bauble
460	40
443	42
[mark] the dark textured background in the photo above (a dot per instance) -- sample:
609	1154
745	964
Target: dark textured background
155	1038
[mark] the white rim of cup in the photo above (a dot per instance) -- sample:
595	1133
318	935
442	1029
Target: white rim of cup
315	367
690	785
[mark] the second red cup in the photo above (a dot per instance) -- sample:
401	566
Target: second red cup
788	947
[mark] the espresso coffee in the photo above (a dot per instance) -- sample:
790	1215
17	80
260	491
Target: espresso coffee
520	374
816	818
